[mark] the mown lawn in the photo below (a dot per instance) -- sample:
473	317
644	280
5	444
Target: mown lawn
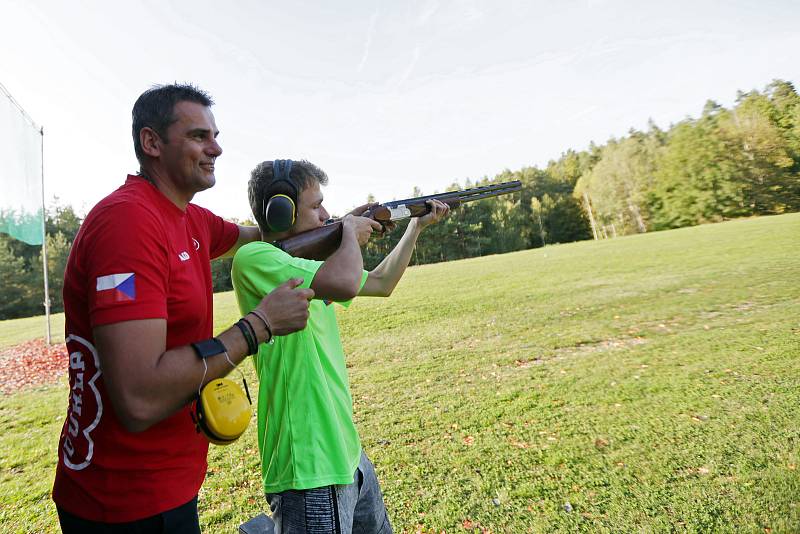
643	384
18	330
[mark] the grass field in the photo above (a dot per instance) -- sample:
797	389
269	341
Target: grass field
644	384
18	330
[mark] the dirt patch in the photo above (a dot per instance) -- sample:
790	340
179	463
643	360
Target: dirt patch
601	346
31	363
583	349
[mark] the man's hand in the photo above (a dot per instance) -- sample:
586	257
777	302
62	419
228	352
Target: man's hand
286	307
439	211
362	227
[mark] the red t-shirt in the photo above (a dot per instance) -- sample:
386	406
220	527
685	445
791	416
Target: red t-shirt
136	256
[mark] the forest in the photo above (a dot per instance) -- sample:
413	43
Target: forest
727	163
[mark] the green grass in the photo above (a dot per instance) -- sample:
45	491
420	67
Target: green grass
14	331
650	381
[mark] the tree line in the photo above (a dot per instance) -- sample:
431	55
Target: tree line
728	163
21	268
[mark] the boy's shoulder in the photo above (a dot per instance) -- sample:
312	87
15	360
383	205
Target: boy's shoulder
257	250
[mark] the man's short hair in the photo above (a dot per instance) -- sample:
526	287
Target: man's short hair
302	175
155	108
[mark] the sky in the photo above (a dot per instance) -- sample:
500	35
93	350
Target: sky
383	95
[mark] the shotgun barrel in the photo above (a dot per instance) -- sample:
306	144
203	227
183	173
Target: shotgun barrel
417	207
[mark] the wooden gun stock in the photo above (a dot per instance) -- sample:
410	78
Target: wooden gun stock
316	244
321	242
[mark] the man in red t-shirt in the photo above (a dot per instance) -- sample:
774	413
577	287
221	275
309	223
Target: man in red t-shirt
138	299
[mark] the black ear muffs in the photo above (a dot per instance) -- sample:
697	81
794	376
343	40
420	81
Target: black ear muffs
222	411
280	200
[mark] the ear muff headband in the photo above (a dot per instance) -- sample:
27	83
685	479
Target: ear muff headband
222	411
280	200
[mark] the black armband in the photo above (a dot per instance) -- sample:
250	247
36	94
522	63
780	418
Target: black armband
209	347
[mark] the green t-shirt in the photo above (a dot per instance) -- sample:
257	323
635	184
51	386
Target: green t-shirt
306	433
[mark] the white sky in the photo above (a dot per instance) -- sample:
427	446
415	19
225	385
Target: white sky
383	95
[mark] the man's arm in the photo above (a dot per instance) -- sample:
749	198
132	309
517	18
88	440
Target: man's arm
339	277
148	383
382	280
247	234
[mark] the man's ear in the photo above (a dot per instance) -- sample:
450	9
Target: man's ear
150	141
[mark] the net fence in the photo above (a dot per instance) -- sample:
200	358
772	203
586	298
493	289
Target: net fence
21	214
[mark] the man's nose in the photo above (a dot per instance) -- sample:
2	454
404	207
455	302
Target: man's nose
323	214
214	149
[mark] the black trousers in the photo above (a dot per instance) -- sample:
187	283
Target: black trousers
180	520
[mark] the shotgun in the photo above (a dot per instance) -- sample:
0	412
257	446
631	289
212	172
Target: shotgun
319	243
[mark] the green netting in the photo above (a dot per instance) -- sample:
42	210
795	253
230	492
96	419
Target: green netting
20	173
26	227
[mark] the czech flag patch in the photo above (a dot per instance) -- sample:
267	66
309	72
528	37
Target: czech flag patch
116	288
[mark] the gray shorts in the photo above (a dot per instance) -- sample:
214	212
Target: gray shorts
356	508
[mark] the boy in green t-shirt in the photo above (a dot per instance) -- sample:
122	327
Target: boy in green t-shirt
316	477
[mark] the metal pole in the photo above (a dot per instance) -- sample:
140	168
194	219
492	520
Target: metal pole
44	250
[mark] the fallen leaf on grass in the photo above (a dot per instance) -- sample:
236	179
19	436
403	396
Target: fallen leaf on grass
469	440
600	443
31	363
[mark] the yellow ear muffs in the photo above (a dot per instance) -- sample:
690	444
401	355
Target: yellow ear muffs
222	411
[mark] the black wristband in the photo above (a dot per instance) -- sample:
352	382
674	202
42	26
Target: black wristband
249	335
252	331
209	347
